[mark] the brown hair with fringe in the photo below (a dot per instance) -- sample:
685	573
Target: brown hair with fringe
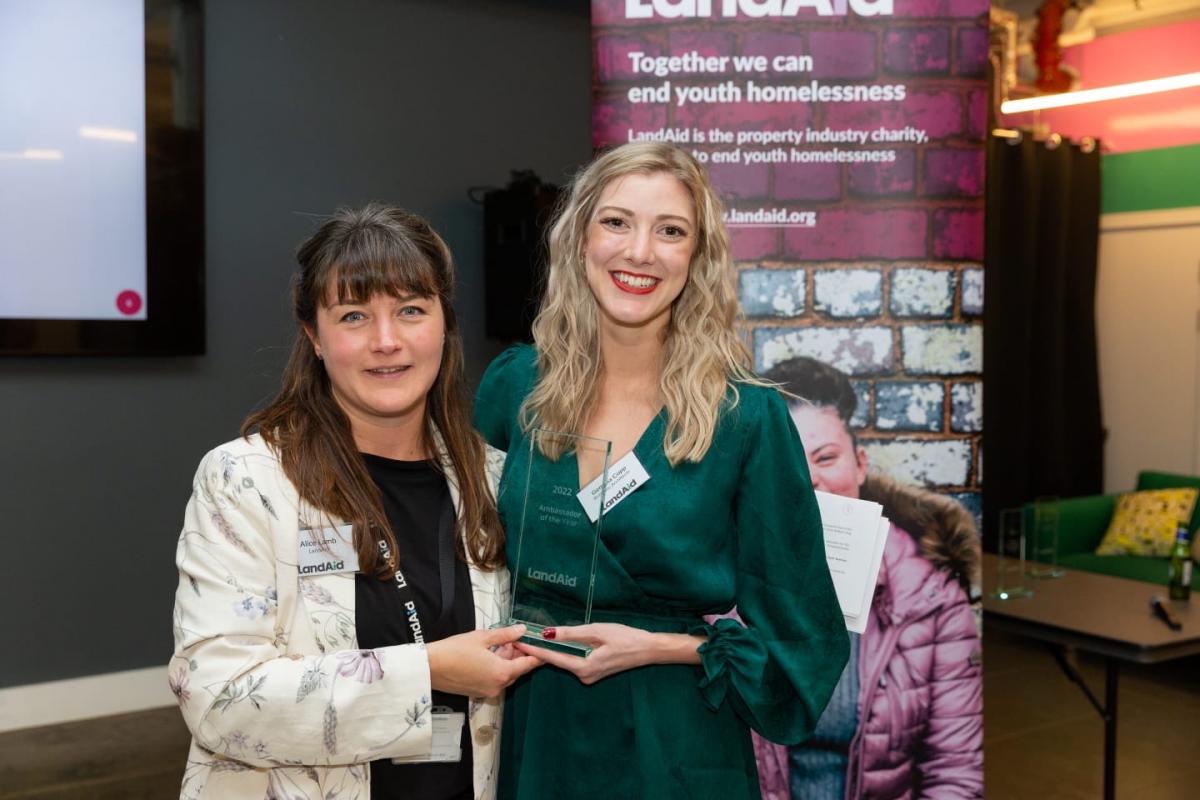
354	255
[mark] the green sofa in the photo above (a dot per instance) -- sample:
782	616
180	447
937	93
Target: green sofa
1082	522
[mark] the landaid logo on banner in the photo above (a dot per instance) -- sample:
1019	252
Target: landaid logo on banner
673	9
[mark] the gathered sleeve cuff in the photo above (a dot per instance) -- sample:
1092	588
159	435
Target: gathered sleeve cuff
731	653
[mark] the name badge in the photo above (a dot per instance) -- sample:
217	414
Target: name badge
447	739
624	478
327	551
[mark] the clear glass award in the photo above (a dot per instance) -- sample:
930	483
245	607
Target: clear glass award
1045	539
1010	556
554	569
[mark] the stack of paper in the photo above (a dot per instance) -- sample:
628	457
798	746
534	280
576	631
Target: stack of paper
855	534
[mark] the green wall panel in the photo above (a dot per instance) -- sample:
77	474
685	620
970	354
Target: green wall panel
1151	179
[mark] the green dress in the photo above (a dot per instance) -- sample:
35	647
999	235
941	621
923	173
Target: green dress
740	527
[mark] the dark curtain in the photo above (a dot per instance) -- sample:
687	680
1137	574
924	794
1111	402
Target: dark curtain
1043	434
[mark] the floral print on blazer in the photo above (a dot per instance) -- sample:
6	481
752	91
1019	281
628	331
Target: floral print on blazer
280	700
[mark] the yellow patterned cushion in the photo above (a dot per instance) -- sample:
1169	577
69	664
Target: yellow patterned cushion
1145	522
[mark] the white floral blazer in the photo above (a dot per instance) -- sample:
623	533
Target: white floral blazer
280	701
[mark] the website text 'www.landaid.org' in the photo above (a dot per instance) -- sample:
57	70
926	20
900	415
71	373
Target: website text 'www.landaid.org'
770	216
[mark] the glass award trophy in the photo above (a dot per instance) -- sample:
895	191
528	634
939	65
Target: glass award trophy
1045	539
554	569
1010	556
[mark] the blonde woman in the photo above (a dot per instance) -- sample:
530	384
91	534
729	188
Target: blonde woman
338	562
635	344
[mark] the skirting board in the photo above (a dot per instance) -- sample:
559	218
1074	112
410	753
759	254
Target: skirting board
83	698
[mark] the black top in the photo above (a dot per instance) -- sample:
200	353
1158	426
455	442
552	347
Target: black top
414	493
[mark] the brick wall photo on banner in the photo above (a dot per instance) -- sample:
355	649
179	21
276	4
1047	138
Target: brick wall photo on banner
846	139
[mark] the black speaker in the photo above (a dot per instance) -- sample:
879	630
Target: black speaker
516	220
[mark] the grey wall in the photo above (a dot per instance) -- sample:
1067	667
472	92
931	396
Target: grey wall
310	105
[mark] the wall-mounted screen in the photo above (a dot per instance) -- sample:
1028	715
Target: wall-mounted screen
101	177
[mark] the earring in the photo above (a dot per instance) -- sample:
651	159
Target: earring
319	356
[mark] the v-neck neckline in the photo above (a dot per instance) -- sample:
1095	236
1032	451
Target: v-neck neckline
638	449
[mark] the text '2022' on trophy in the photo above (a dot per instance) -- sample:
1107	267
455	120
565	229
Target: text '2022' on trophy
554	571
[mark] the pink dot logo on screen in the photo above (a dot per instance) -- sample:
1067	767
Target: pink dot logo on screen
129	302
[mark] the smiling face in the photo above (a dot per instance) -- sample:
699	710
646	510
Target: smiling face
837	466
640	243
382	356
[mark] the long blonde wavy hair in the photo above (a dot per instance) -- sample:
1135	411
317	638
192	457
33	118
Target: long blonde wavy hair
703	356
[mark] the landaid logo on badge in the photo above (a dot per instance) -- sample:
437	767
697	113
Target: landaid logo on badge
327	551
623	478
328	566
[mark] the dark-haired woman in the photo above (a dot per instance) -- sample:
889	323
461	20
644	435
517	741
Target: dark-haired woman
906	718
341	562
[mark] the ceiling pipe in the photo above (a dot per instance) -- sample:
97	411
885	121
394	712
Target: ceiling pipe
1047	53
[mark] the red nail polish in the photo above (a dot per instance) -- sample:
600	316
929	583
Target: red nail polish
549	633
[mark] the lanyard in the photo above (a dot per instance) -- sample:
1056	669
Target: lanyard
446	573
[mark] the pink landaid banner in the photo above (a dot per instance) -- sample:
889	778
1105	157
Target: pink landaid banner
846	137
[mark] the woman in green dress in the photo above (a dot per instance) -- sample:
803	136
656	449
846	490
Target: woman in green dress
635	344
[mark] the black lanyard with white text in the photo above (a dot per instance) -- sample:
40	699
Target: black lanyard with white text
446	574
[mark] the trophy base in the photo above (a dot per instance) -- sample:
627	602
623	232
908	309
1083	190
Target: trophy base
533	636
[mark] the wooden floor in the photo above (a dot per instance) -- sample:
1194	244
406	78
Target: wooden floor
1042	738
131	757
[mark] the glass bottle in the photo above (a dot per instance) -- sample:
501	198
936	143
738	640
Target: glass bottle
1180	574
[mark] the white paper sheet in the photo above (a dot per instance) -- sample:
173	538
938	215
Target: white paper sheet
855	533
858	623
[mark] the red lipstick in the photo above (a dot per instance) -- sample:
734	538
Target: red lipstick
625	287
